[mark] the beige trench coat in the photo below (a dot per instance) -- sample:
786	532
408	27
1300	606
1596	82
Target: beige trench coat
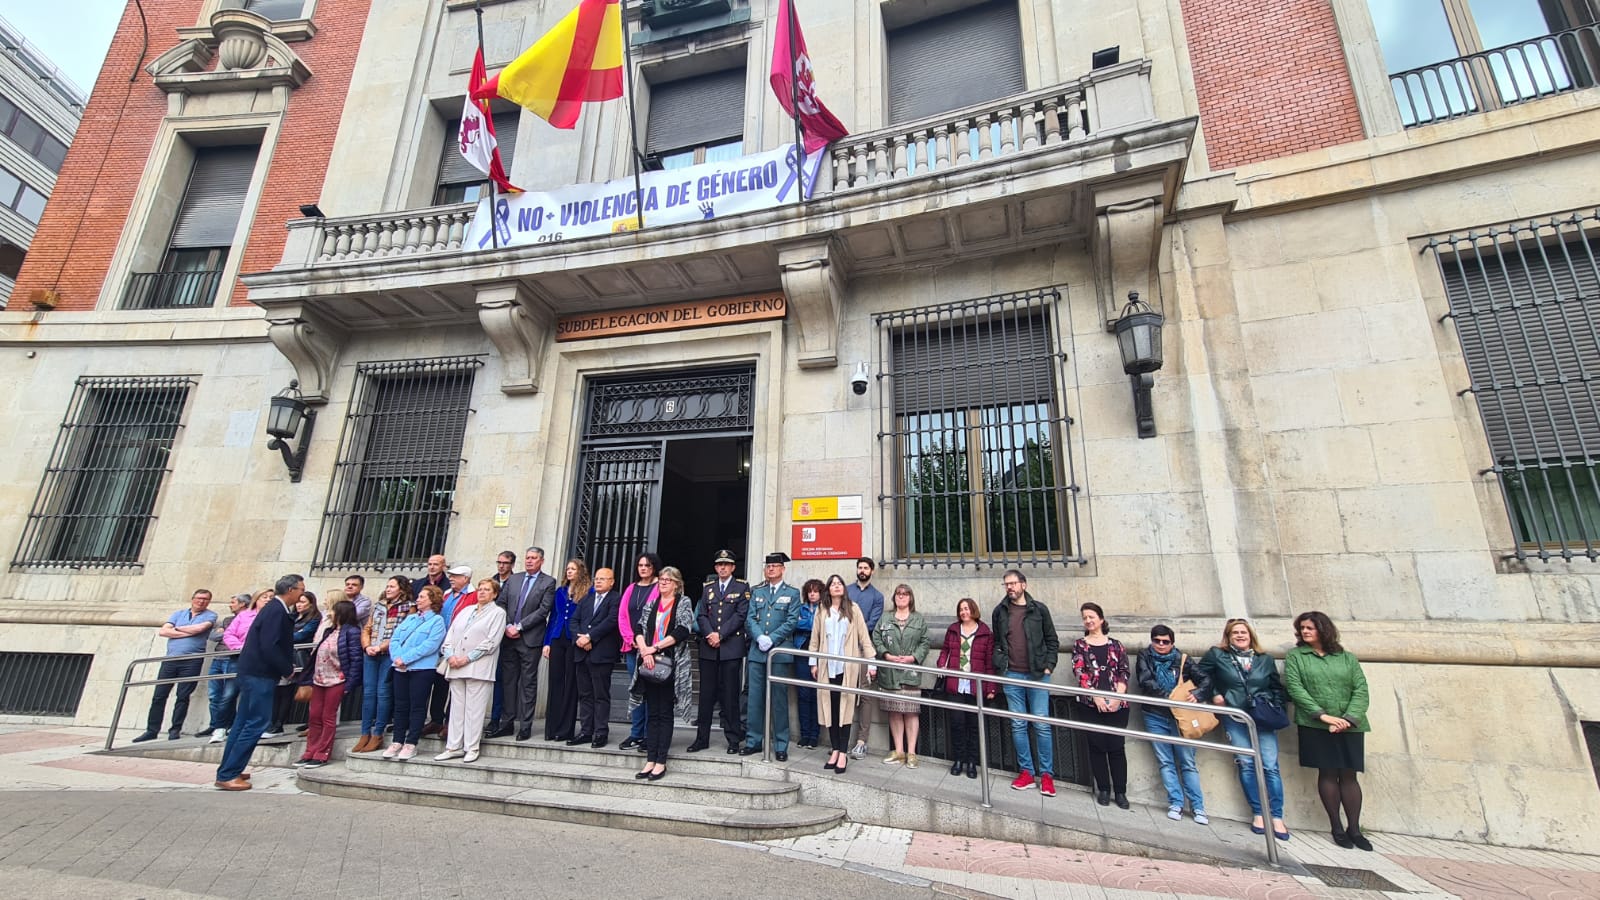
857	642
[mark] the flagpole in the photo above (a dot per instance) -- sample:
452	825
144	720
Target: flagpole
633	115
794	109
494	197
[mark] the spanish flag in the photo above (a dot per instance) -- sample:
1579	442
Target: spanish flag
579	61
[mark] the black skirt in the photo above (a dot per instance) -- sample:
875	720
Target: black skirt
1322	749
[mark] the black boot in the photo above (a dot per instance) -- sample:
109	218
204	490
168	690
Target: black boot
1102	797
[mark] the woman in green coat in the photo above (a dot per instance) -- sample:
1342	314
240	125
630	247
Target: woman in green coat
1330	707
901	637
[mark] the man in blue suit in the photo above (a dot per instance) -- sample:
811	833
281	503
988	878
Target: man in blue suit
267	656
774	608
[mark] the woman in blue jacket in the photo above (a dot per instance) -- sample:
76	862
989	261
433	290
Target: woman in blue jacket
561	711
414	653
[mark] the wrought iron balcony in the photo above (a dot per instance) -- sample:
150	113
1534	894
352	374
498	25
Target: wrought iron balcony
172	290
1504	76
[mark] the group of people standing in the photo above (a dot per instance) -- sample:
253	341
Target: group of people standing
440	642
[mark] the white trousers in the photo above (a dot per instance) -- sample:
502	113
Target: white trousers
469	703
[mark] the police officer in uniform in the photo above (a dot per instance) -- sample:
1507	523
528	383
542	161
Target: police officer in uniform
724	603
774	608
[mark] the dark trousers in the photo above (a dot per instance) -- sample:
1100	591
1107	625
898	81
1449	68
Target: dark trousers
255	708
1108	754
498	706
719	683
522	682
805	699
438	694
183	668
658	704
282	705
561	706
322	720
964	735
594	699
838	735
411	704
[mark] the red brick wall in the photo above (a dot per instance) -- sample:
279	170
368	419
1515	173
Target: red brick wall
1271	78
83	221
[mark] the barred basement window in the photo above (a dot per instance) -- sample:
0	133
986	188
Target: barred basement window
976	432
98	496
1525	299
394	485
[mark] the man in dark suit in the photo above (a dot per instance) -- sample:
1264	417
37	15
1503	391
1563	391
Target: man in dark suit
724	603
267	656
596	647
530	595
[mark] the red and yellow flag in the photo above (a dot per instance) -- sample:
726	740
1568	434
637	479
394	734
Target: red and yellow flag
578	61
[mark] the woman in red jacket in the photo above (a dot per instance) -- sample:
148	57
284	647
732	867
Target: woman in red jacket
969	649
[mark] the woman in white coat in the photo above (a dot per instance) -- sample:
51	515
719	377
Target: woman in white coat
469	656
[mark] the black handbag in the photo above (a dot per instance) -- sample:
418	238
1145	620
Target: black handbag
1268	713
661	674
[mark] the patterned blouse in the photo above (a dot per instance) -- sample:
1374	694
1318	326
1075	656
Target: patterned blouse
1099	668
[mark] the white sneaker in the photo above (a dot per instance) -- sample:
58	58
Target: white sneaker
1175	813
267	734
449	754
218	736
859	751
1200	819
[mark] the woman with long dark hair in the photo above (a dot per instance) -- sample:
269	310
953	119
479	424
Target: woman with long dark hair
839	629
643	590
1101	662
805	698
1330	697
335	671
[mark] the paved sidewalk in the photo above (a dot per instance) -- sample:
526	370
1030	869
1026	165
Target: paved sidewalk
165	794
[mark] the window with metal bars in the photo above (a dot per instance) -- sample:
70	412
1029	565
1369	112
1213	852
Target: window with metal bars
42	684
976	434
1525	301
98	496
394	486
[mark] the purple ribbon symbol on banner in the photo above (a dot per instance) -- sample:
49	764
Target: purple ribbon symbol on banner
797	174
501	224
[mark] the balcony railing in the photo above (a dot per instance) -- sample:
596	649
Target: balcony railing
1540	67
172	290
1101	102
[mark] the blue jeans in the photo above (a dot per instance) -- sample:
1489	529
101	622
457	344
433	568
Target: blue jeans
377	693
1179	775
255	711
1035	702
223	692
636	710
1239	736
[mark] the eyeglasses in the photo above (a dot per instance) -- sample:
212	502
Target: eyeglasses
1161	640
1010	583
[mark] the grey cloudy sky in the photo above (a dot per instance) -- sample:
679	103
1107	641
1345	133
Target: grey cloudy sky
74	34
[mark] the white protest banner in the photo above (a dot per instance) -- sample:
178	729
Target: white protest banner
670	197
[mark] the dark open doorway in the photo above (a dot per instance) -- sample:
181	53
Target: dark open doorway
705	505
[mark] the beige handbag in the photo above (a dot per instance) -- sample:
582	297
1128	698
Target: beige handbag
1192	723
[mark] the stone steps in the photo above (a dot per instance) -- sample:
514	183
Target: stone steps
646	810
598	775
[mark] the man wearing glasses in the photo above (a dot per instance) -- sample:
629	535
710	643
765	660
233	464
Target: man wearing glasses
1025	647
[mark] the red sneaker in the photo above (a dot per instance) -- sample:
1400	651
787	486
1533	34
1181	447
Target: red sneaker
1047	785
1023	782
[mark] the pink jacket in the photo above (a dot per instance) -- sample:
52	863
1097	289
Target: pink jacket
233	637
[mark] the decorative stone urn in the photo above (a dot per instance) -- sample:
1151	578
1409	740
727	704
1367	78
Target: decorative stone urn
241	38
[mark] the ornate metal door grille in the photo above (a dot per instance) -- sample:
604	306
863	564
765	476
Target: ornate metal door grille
619	495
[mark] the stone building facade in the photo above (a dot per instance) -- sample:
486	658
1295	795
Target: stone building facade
39	111
1377	277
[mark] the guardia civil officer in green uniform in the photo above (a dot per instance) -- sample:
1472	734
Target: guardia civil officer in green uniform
774	608
724	603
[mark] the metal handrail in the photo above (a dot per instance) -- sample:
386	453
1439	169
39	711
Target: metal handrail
1253	751
127	676
1496	77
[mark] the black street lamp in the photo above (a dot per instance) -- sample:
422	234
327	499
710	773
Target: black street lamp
1138	333
284	418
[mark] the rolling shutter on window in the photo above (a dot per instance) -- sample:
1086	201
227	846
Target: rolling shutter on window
276	10
454	168
980	363
1527	360
708	109
217	185
955	60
